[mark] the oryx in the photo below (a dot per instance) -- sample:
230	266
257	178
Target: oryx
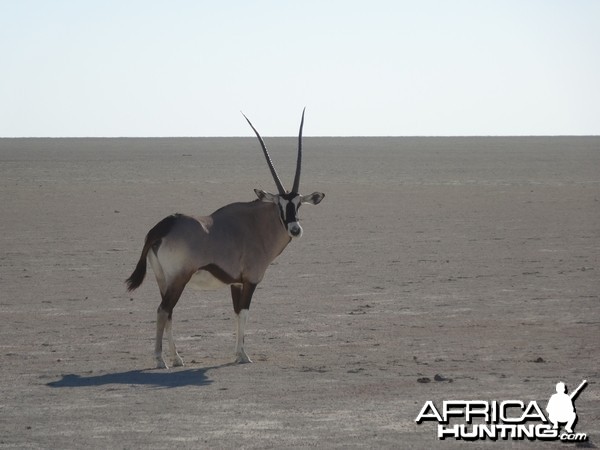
233	246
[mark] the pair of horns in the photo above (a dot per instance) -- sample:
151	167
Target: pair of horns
280	187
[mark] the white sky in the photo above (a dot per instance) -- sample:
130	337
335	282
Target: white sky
362	68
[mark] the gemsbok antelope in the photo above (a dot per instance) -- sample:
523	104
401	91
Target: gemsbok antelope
233	246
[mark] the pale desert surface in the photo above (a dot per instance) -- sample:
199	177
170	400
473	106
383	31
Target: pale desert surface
473	259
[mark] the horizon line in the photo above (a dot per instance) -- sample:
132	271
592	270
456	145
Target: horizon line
309	137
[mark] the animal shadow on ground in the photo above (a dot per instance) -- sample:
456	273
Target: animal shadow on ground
153	378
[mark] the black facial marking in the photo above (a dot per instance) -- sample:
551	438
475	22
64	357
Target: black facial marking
288	215
281	213
291	212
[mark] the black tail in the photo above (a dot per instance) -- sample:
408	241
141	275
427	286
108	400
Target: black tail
153	238
138	275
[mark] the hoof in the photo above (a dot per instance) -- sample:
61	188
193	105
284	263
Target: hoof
160	364
178	362
242	359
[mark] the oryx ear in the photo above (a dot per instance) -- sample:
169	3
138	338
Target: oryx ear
313	199
265	196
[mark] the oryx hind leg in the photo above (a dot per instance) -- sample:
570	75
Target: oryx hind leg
175	358
164	322
161	321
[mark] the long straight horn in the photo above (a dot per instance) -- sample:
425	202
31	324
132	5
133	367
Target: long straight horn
280	187
299	161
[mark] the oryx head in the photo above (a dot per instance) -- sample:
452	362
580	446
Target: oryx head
288	202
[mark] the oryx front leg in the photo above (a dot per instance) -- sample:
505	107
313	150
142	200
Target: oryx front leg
240	354
242	296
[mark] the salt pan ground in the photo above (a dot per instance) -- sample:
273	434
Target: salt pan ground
434	269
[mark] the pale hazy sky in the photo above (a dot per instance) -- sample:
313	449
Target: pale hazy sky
362	68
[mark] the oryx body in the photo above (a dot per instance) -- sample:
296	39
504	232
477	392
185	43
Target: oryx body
233	246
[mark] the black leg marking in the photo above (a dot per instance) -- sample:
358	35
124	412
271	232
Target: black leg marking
236	295
247	292
173	293
242	296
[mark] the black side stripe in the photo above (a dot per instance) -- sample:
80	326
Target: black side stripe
220	274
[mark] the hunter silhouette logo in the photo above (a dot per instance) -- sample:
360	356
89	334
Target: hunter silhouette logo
508	419
561	408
